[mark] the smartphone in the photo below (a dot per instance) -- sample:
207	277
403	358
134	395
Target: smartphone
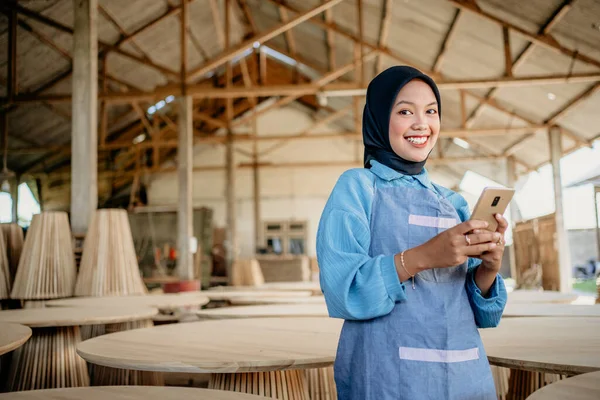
491	202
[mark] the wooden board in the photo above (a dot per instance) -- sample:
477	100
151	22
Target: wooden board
128	393
267	311
232	294
75	316
550	310
581	387
566	346
533	296
160	301
12	336
238	345
261	300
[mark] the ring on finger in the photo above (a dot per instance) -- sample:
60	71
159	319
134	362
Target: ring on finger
500	242
468	240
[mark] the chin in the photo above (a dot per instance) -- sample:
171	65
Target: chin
416	156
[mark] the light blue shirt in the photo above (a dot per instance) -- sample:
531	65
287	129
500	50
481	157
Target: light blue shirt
359	286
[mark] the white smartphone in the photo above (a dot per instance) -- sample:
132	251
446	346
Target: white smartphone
491	202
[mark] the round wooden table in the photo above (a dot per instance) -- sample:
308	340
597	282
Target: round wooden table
534	296
160	301
580	387
255	355
531	347
12	336
550	310
264	300
267	311
128	393
314	287
49	358
227	295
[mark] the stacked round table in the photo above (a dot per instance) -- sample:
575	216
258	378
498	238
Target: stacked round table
256	356
580	387
228	295
314	287
266	311
265	300
13	336
49	359
532	347
127	393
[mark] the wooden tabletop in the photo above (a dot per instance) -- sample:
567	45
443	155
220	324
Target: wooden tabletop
73	316
580	387
567	346
266	311
550	310
128	393
534	296
161	301
277	286
262	300
12	336
226	346
232	294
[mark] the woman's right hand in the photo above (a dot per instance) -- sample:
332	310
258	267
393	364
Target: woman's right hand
455	245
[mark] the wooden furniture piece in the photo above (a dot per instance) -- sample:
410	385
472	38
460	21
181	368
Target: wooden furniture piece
227	295
168	302
534	346
128	393
285	268
263	300
5	278
246	273
267	311
535	296
259	356
12	336
13	239
550	310
109	264
49	359
580	387
47	266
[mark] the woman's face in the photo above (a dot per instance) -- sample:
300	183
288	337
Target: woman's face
414	122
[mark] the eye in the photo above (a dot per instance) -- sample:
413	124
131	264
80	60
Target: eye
405	112
432	111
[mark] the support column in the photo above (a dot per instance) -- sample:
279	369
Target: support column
84	130
14	194
256	195
511	181
185	264
597	208
562	242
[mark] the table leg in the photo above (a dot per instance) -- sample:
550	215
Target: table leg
107	376
521	383
501	377
288	384
321	385
48	360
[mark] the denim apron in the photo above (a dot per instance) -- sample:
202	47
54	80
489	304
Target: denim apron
428	347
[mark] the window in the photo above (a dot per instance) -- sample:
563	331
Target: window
285	237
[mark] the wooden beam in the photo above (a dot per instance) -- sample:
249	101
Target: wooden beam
262	66
508	64
384	29
558	14
110	47
361	39
541	40
260	38
113	20
183	30
207	118
289	36
437	65
11	80
574	103
248	15
463	109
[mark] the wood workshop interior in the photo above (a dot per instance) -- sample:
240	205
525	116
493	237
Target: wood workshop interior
166	165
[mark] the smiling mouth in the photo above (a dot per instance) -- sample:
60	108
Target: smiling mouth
417	141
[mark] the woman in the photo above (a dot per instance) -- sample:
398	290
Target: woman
399	263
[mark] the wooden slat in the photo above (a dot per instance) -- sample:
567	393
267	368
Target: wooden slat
437	65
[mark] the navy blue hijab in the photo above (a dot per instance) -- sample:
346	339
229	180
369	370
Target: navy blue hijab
381	93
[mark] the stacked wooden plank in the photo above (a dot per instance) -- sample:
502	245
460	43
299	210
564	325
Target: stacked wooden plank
46	269
5	279
109	265
13	239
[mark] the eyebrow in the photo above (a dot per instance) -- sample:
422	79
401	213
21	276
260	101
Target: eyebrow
411	103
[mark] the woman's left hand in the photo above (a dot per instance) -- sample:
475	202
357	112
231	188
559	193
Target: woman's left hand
492	259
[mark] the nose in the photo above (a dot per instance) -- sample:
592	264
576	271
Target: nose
419	126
